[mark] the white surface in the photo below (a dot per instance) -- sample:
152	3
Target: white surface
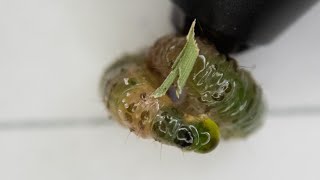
52	54
283	149
288	68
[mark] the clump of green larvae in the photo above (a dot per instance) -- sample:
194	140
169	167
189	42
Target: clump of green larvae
219	98
127	94
216	86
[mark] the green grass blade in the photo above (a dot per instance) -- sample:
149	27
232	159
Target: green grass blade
182	66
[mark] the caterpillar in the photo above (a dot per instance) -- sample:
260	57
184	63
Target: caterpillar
216	86
126	90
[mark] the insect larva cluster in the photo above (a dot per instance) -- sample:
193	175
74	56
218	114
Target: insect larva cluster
218	98
216	87
128	97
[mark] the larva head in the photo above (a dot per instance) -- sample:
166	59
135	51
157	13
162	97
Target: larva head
190	133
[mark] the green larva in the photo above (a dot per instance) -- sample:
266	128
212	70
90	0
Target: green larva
216	87
218	96
127	90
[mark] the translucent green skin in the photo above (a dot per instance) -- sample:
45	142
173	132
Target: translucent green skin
199	133
216	87
126	91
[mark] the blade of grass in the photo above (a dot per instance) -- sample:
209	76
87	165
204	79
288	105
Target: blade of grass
182	66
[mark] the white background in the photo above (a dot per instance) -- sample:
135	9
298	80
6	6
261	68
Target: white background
54	126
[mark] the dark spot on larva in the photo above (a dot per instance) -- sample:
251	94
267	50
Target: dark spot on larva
170	63
132	81
159	128
122	70
227	88
184	137
174	111
114	85
207	109
216	67
217	97
235	120
165	116
143	96
145	115
141	125
132	107
249	107
128	117
201	100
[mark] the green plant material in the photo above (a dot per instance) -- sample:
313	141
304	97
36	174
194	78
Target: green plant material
182	66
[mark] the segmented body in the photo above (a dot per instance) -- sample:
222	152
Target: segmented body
127	92
216	87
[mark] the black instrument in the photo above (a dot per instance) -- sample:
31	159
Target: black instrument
237	24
